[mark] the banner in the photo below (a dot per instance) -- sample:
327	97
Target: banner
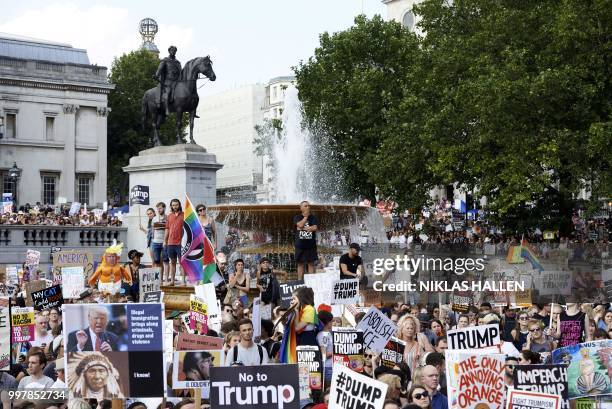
532	400
377	329
346	292
482	336
348	348
287	290
475	378
352	390
553	282
131	353
150	281
198	314
73	282
588	366
5	334
72	258
192	369
48	298
393	353
310	361
255	387
22	321
189	342
139	195
551	379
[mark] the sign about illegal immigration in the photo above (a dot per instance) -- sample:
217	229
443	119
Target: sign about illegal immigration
352	390
255	387
139	195
377	329
482	336
345	292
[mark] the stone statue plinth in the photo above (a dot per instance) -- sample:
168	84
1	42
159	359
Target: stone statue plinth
170	172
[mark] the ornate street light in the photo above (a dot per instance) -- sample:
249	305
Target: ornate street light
14	173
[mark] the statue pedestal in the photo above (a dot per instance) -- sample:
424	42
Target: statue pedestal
170	172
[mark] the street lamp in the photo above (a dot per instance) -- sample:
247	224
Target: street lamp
14	173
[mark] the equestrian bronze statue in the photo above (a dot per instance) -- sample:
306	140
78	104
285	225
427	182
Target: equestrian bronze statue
177	92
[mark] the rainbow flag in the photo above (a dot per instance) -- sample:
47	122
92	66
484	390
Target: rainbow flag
288	352
209	262
528	254
514	255
192	253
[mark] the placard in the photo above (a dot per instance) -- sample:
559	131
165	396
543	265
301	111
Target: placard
550	379
198	314
22	322
287	290
553	282
208	294
32	260
352	390
150	281
377	329
482	336
75	207
192	342
259	387
152	297
348	348
192	369
47	298
345	292
475	378
531	400
139	194
393	353
132	353
322	285
310	358
33	286
72	258
5	335
73	282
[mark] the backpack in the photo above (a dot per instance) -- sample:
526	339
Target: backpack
259	349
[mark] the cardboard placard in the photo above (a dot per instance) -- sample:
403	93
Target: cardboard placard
150	281
377	329
192	342
352	390
73	281
345	292
72	258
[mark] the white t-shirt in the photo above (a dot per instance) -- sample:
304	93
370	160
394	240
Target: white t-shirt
158	234
248	356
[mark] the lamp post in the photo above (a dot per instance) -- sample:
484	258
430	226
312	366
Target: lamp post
14	173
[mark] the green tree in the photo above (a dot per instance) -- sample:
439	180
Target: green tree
132	74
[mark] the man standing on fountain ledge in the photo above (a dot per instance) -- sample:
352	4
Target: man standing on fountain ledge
305	240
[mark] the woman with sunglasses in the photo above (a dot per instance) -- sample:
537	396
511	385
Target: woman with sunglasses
419	396
520	331
207	223
538	342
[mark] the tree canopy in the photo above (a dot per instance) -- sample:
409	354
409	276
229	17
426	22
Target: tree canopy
511	100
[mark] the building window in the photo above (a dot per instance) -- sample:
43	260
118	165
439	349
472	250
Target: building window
84	188
7	185
408	20
49	128
11	126
274	93
49	189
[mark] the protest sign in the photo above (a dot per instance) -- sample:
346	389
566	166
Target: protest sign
22	322
73	281
587	368
150	281
553	282
256	319
12	276
475	378
377	329
133	352
287	290
322	285
47	298
5	334
348	348
352	390
33	286
482	336
393	352
191	369
75	207
198	314
551	379
32	260
460	301
189	342
531	400
72	258
345	292
255	387
310	359
139	194
208	294
152	297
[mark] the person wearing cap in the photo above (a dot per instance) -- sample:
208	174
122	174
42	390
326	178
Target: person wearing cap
351	265
60	382
267	283
134	267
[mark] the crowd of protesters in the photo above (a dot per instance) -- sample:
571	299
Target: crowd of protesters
42	215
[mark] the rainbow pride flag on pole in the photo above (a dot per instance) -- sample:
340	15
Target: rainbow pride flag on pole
209	262
518	254
192	252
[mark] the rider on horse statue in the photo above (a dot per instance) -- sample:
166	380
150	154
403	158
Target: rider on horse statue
167	74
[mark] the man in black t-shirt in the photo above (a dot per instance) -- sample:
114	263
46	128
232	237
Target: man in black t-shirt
351	265
305	240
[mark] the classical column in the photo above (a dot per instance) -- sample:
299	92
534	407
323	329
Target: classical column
69	166
101	172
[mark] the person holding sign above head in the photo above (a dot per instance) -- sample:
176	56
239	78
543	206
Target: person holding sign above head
305	240
95	337
351	265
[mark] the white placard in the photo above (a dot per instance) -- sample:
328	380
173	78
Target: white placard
377	329
345	291
73	281
370	392
322	285
482	336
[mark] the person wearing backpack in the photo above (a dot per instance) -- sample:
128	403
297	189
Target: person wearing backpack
267	283
247	352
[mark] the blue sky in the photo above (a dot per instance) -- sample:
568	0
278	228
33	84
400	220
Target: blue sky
249	41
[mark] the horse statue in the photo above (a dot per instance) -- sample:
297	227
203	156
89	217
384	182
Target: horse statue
185	99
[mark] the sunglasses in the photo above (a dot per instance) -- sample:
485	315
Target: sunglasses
523	318
200	210
423	394
535	330
368	356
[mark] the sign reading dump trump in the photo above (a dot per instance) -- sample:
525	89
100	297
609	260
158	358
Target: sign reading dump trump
255	387
352	390
124	341
345	292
